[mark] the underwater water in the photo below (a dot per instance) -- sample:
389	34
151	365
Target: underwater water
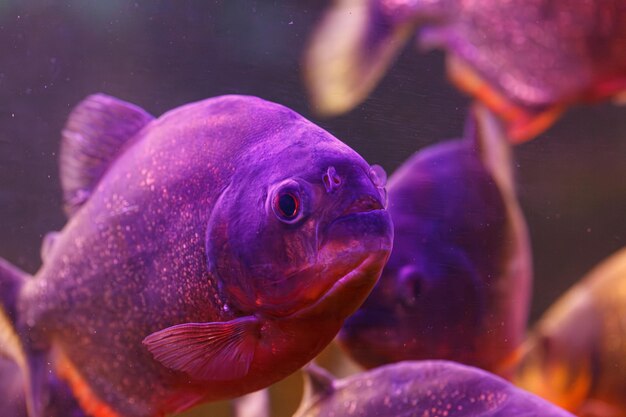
161	55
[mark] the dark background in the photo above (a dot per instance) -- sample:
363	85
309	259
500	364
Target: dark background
161	54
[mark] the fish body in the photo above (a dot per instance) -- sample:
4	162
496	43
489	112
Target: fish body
457	284
527	60
417	389
575	354
210	252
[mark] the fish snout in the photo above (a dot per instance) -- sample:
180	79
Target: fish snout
362	226
363	204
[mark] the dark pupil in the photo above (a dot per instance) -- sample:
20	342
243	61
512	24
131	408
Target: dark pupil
288	205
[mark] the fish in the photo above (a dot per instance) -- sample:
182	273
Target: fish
209	253
527	60
457	285
418	389
61	402
575	353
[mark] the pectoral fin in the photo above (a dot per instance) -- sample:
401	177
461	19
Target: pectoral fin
207	351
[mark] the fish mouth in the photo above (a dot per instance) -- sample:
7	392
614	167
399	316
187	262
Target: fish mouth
357	283
362	205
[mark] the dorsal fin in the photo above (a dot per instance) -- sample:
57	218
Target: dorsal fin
492	144
318	384
95	133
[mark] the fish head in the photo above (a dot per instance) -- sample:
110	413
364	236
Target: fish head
429	307
433	296
561	356
299	225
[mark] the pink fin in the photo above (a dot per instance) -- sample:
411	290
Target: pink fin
207	351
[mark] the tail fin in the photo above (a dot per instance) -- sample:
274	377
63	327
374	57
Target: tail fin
32	364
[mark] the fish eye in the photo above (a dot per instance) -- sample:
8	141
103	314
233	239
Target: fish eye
411	286
288	201
287	205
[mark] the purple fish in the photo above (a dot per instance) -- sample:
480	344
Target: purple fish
525	59
209	253
60	403
419	389
457	284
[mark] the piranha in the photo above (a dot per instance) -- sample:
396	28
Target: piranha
527	60
209	253
457	284
418	389
576	353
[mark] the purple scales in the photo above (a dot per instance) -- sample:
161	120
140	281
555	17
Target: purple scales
419	389
457	284
209	253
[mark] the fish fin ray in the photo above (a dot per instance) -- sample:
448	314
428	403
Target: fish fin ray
94	135
349	52
207	351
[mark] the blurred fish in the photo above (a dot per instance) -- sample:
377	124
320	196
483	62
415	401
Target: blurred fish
527	60
255	404
419	389
457	284
576	354
209	253
61	403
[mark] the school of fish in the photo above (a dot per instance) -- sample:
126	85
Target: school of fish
217	249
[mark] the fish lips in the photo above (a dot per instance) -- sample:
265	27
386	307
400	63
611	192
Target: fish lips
355	248
358	243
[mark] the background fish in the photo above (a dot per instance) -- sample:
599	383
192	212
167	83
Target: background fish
417	389
61	402
576	354
527	60
457	284
209	253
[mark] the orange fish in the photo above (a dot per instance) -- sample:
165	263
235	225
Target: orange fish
527	60
576	354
